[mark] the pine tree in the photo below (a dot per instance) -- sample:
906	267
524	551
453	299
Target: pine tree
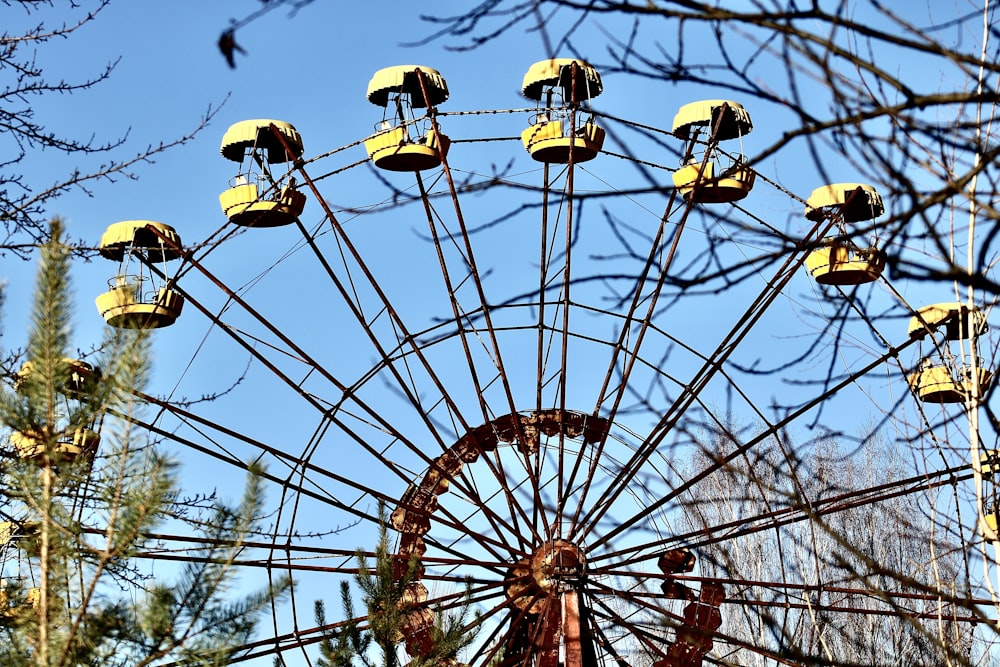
81	489
390	605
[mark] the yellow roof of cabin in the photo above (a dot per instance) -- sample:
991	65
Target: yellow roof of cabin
257	133
556	72
735	123
140	233
930	317
403	79
863	205
76	367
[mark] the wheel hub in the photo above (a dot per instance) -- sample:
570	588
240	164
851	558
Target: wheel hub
557	564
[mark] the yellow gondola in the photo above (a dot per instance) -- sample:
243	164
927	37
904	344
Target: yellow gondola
21	534
702	178
557	132
244	205
75	380
935	383
81	443
13	606
705	187
138	297
398	145
129	307
259	197
393	150
840	262
551	142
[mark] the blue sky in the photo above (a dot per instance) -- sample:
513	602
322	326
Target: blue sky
312	70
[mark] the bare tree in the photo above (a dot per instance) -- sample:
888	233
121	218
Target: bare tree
868	583
25	206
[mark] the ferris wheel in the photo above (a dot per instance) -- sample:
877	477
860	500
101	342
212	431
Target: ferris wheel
541	352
